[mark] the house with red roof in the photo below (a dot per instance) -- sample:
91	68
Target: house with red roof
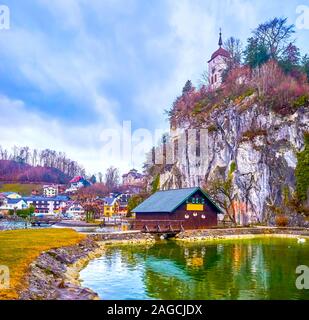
77	183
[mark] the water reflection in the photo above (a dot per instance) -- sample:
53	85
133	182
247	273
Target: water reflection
248	269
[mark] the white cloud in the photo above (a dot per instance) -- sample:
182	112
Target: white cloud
23	128
79	68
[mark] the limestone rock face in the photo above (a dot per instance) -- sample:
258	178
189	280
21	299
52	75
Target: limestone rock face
263	145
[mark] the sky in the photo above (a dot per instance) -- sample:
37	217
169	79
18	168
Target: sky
72	71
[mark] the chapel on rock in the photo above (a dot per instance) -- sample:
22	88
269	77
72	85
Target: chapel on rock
217	64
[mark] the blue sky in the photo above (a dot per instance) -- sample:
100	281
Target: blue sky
72	68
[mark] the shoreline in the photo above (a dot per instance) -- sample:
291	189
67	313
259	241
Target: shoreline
241	233
55	274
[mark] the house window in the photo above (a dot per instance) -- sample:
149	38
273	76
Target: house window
193	200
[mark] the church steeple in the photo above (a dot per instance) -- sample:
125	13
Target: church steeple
220	39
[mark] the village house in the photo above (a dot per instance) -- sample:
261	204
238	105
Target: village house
179	209
77	183
74	210
111	207
12	204
123	204
50	190
47	205
133	181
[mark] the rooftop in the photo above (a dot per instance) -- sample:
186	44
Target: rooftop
170	200
220	52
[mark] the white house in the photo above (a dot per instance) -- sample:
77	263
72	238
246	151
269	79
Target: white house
74	210
76	184
13	204
217	65
47	205
50	191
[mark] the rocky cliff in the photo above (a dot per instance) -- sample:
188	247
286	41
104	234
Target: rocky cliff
262	144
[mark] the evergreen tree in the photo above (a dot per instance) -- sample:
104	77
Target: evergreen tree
256	53
305	65
188	87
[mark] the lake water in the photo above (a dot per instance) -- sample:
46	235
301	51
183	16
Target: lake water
262	268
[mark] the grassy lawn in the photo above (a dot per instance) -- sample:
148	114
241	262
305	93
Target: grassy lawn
19	248
23	189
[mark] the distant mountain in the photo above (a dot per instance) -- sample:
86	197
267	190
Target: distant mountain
12	171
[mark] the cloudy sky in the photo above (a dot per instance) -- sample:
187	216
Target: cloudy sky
72	69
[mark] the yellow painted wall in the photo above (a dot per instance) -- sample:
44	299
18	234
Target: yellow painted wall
195	207
109	211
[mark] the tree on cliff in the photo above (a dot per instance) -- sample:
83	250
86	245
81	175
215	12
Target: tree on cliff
305	65
234	47
188	87
223	192
302	171
270	40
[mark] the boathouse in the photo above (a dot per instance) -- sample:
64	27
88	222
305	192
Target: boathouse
177	210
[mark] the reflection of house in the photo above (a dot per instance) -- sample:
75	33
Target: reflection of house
111	206
77	183
133	180
13	204
47	205
189	208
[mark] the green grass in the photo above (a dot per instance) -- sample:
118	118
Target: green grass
23	189
19	248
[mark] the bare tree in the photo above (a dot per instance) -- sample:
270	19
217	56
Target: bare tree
112	178
100	175
234	47
223	192
276	35
44	158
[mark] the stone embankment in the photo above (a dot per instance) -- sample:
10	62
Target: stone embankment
54	275
234	233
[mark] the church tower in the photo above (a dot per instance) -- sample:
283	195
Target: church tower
217	64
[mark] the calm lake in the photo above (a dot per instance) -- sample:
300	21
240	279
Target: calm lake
262	268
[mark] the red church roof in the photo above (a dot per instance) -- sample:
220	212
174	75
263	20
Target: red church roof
220	52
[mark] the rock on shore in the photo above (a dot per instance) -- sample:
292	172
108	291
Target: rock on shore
50	276
54	275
